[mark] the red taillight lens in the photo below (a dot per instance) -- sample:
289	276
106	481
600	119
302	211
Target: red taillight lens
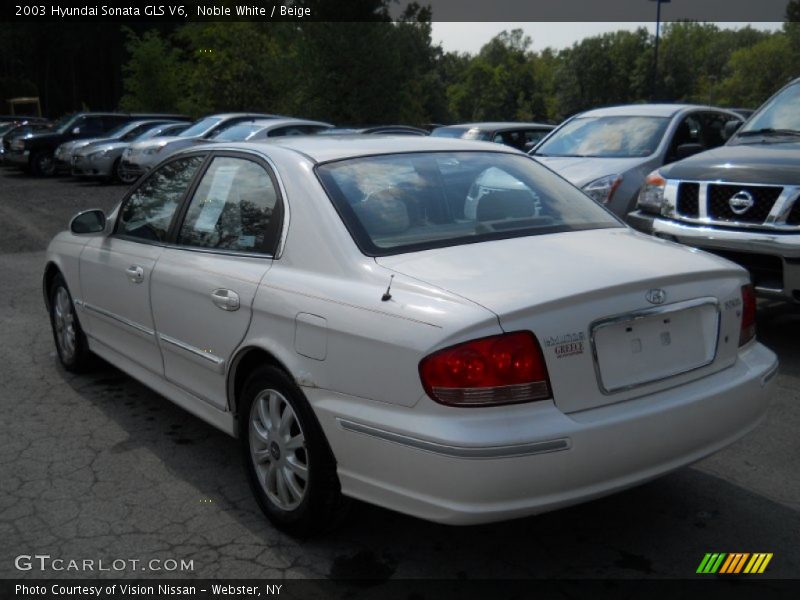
748	330
502	369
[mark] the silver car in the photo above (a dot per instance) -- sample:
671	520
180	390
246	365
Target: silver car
102	159
261	129
126	132
140	157
608	152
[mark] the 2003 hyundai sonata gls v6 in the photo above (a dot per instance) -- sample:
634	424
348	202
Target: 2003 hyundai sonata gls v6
331	302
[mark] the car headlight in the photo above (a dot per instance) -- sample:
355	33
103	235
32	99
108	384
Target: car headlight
651	196
602	190
155	149
99	154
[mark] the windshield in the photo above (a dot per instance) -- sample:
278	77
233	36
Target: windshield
782	112
237	133
408	202
161	130
120	131
450	132
64	124
201	127
609	137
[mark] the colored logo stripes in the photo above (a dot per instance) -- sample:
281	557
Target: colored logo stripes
734	563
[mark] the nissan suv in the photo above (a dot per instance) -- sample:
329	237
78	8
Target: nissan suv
741	200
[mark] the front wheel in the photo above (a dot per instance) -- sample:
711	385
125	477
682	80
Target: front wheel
43	164
122	174
290	467
73	351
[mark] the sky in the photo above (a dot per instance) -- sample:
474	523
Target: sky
469	37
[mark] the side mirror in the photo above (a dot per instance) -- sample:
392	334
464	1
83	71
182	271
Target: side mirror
88	221
687	150
731	127
75	130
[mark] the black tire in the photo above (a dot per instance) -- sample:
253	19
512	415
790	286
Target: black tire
43	164
74	355
115	176
321	505
119	174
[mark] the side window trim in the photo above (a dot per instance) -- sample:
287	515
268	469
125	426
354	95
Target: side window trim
181	203
278	231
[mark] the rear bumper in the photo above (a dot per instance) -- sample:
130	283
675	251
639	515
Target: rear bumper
465	466
773	259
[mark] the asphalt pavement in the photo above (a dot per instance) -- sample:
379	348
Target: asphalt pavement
98	467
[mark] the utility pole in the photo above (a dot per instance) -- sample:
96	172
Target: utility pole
654	90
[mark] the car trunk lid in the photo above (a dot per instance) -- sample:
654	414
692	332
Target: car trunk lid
618	315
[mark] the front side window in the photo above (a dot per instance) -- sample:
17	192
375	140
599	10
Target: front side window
148	212
414	201
235	207
617	137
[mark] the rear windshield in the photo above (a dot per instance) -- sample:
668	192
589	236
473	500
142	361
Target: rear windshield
407	202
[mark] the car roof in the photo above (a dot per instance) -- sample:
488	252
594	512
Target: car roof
335	147
645	110
497	125
275	123
240	114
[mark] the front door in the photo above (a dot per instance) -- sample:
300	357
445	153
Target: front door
116	270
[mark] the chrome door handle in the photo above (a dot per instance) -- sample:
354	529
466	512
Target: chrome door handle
225	299
135	273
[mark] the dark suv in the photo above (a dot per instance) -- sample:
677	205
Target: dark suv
35	152
741	200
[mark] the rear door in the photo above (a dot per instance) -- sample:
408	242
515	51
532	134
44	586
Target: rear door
116	270
203	286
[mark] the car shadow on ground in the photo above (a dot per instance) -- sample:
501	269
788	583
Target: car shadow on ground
661	529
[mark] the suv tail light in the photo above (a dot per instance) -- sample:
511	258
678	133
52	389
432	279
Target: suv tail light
501	369
748	330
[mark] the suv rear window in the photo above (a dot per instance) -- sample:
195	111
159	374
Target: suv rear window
414	201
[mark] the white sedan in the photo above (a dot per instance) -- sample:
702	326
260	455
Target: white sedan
373	320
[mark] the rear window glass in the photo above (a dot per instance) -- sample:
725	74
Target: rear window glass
407	202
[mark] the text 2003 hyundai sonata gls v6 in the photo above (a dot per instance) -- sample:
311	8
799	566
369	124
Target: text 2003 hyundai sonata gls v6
329	301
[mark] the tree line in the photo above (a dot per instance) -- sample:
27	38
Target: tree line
389	72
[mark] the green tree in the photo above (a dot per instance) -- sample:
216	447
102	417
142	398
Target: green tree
152	76
758	71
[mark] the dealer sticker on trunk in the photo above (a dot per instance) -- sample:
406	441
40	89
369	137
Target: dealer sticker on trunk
569	344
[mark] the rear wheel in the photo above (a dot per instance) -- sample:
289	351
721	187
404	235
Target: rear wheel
73	351
43	164
290	467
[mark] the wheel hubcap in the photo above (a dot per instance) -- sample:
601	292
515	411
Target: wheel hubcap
64	321
278	449
46	165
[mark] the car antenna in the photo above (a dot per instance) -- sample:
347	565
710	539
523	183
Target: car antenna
388	293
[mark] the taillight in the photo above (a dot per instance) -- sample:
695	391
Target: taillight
748	330
501	369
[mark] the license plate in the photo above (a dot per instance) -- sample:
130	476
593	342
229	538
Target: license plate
655	344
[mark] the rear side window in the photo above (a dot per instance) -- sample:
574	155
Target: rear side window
235	207
149	210
407	202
